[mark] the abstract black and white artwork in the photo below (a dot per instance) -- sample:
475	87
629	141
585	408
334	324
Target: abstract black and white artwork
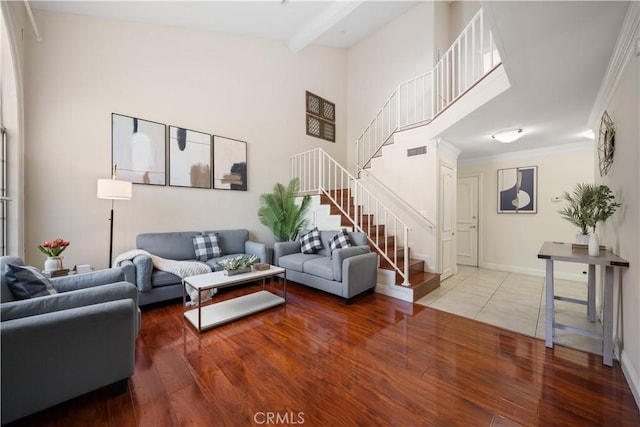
229	164
138	149
517	190
189	158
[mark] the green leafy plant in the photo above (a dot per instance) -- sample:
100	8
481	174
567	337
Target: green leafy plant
235	263
588	204
280	213
604	205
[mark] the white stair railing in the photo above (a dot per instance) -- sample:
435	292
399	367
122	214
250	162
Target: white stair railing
471	57
320	173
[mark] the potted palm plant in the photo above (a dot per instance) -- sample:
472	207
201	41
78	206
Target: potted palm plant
280	213
588	204
579	209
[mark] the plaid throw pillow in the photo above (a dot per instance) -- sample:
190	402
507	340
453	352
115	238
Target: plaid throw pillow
27	282
310	242
206	247
340	240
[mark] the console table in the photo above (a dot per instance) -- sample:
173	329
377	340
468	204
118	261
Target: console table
556	251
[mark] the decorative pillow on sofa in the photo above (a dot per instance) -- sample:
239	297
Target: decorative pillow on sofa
206	247
27	282
311	242
340	240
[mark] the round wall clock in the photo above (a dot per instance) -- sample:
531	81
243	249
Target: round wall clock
606	143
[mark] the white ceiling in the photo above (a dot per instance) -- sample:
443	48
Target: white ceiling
555	53
338	25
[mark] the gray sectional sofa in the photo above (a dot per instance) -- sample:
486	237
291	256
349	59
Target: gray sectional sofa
346	272
155	285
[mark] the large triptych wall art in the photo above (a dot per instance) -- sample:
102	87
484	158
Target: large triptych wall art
189	158
229	164
517	190
138	149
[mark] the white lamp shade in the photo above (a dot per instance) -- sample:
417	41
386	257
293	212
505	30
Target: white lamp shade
507	136
114	189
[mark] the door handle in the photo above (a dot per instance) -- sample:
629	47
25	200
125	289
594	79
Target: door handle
472	226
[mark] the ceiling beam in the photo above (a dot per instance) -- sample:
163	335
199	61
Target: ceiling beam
321	24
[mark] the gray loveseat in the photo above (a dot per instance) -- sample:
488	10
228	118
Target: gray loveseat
60	346
155	285
346	272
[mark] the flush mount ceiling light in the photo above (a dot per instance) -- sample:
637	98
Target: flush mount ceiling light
508	135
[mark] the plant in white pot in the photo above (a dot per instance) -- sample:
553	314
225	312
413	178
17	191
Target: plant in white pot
579	210
603	205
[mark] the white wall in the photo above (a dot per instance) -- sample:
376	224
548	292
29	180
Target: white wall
399	51
460	13
244	88
511	242
621	232
11	99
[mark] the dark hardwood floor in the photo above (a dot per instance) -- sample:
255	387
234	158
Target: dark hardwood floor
379	361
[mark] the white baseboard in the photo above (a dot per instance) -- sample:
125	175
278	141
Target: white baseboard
575	277
397	292
632	377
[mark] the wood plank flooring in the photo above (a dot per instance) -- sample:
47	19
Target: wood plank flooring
378	361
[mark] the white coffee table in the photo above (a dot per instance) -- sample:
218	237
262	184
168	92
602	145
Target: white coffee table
213	315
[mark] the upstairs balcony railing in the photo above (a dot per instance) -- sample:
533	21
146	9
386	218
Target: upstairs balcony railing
471	57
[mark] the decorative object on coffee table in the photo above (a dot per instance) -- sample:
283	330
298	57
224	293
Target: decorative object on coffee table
113	189
52	249
237	265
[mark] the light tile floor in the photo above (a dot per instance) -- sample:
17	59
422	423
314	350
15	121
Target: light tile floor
515	302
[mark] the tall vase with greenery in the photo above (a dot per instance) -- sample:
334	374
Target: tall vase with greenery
280	213
603	206
579	209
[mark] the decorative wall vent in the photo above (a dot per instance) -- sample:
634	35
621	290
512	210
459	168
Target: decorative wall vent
417	151
321	117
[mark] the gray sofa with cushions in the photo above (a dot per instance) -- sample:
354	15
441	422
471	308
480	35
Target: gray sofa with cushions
60	346
346	272
155	285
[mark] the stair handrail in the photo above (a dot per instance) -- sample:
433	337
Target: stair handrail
315	179
400	199
449	81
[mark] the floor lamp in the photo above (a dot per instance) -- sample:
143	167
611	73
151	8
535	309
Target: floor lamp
113	189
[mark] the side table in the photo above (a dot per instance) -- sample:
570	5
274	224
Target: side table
555	251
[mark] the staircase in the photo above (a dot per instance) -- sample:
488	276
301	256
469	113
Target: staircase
421	282
417	102
414	103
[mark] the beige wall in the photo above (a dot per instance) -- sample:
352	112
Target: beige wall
244	88
460	13
510	242
621	232
399	51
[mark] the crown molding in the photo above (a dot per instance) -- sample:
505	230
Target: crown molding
446	145
623	51
526	154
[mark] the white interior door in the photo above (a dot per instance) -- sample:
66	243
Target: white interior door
447	223
467	221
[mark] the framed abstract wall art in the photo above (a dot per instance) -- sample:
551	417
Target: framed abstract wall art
189	158
517	190
138	149
229	164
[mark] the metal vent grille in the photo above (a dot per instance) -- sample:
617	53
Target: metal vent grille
418	151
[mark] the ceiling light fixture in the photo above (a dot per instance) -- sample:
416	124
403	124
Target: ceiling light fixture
507	136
